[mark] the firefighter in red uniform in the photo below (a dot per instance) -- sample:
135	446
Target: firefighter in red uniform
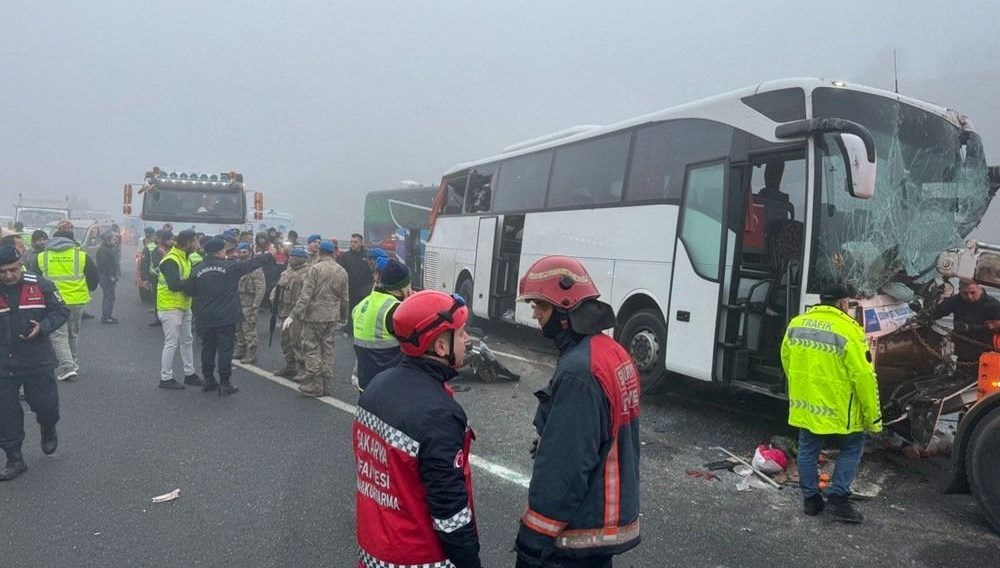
411	446
583	501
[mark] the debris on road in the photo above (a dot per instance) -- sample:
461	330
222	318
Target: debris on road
701	474
166	497
754	470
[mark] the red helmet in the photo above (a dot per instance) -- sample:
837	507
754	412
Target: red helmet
425	315
559	280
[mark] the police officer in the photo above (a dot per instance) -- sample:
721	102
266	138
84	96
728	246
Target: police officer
214	284
412	441
251	289
30	310
832	397
67	265
320	306
374	345
583	500
286	293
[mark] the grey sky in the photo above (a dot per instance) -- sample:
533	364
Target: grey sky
319	102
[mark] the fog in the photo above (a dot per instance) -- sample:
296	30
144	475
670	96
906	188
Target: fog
317	103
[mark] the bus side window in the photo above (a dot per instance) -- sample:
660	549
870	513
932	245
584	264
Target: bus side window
589	173
456	194
480	190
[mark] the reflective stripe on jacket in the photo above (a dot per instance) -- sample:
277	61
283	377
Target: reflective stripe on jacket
583	499
167	299
374	346
412	441
831	381
65	269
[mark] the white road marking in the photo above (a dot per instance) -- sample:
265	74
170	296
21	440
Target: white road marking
484	464
519	358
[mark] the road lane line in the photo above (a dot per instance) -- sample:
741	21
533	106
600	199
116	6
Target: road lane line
484	464
519	358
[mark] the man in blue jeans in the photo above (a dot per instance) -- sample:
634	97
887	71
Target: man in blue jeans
832	397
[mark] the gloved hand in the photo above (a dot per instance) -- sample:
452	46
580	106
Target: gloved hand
284	325
961	327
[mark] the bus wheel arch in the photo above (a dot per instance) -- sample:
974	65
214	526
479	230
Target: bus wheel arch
642	330
464	288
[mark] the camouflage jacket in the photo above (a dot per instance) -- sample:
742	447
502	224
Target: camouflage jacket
289	287
252	288
323	298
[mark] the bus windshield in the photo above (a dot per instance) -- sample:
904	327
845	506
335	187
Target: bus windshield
194	205
931	191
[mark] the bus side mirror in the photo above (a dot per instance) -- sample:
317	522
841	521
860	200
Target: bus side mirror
860	171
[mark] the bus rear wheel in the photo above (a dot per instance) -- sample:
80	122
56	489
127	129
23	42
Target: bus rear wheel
982	461
644	335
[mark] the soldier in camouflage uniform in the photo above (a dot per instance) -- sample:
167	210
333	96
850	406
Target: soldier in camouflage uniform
251	294
286	292
321	305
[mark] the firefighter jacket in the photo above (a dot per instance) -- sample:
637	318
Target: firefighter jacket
70	269
32	298
584	494
831	381
214	284
252	288
375	347
289	286
323	298
414	483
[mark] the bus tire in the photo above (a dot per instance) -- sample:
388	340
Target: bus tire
644	335
982	461
465	291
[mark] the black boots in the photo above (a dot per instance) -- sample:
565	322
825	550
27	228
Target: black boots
228	388
210	385
842	510
193	380
814	505
15	466
49	439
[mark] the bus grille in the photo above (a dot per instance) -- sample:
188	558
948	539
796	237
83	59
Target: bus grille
431	260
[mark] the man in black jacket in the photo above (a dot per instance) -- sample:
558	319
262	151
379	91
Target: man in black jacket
214	284
359	276
30	309
109	267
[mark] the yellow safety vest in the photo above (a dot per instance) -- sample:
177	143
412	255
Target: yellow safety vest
369	321
195	258
831	380
167	299
65	268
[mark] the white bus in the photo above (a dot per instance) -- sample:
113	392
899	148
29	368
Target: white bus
709	225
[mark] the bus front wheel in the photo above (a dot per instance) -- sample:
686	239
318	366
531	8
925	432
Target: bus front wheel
644	335
465	291
982	461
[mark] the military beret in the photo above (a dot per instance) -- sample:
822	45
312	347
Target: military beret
9	255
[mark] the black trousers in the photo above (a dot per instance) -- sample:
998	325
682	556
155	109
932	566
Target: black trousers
41	394
218	340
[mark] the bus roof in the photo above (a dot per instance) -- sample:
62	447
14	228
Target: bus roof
723	107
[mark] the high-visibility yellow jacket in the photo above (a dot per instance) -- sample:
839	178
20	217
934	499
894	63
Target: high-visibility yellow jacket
167	299
66	269
831	381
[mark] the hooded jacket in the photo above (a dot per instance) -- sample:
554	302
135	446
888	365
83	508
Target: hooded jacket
32	298
60	244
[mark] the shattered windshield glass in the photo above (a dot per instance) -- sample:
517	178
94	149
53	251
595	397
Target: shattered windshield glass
930	192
